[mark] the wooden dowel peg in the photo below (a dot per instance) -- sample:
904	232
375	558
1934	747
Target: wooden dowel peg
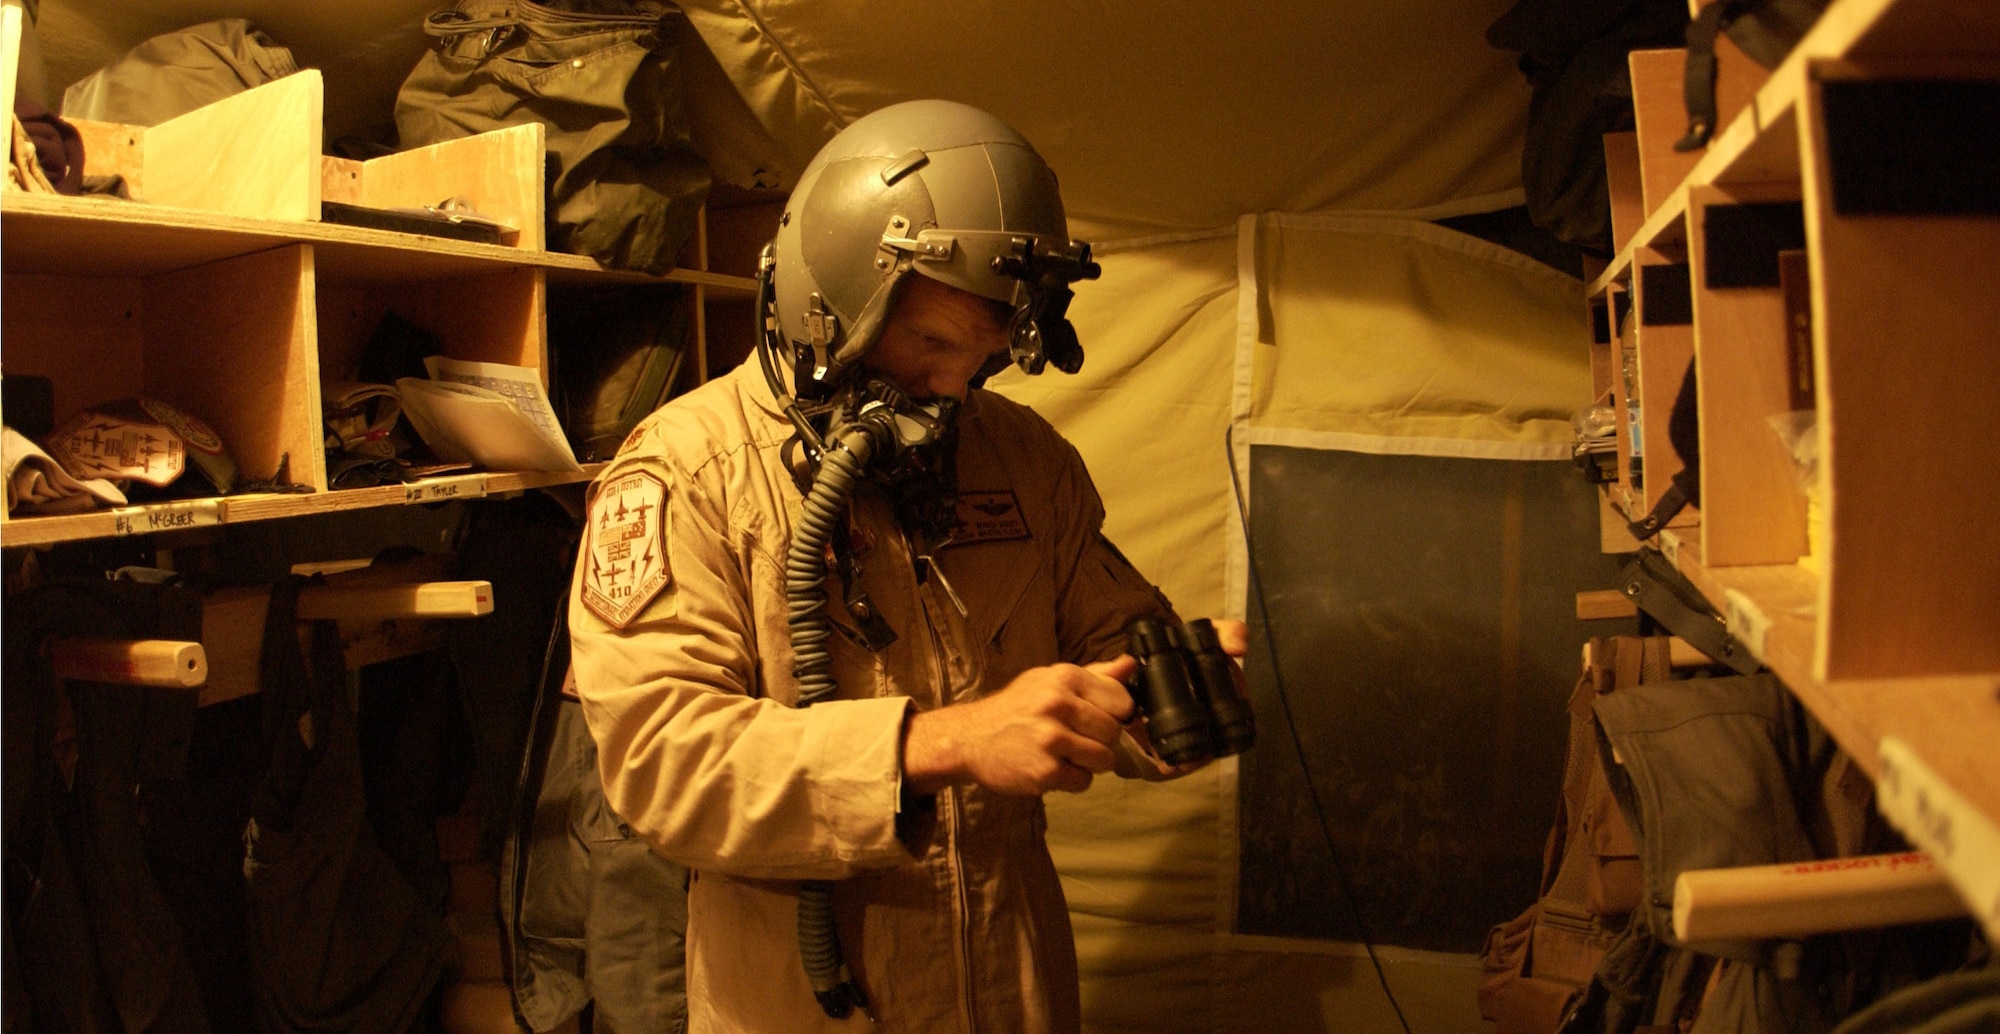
1602	604
390	602
1803	898
137	662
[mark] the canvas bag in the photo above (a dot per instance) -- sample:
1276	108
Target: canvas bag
1537	966
617	356
604	78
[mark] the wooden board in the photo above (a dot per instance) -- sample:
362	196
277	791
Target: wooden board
1664	353
114	149
497	318
1621	399
82	334
254	154
498	173
81	237
1622	180
234	343
1906	367
240	509
13	17
1660	113
340	180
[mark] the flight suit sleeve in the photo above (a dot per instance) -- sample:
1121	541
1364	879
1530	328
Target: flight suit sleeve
694	756
1099	593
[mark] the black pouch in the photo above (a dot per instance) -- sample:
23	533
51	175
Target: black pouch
605	80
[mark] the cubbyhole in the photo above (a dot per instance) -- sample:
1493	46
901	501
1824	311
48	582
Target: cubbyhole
493	318
497	317
1753	499
1622	358
228	342
1663	323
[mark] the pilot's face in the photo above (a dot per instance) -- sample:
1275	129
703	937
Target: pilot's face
937	339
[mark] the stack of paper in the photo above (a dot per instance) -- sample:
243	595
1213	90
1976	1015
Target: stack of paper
491	414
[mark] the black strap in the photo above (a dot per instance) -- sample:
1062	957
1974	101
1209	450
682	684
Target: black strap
1670	504
1698	86
1658	589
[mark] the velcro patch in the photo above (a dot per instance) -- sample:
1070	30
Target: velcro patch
989	517
627	564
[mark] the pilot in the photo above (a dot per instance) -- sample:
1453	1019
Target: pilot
840	617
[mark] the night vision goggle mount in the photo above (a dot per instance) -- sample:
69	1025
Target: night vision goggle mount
1041	332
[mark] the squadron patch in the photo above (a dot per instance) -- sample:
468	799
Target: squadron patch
627	565
989	517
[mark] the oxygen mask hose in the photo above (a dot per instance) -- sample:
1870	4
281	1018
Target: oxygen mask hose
805	594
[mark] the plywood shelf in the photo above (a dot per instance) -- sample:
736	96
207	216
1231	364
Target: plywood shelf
102	237
1858	581
220	291
1760	144
182	515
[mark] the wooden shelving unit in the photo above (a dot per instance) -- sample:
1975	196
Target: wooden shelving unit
223	294
1864	584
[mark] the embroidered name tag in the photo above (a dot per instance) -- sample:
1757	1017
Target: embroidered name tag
627	565
989	517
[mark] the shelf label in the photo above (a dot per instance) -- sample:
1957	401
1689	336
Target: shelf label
444	490
146	520
1938	820
1745	621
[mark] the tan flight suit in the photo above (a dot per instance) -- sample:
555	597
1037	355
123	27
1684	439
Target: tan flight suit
950	913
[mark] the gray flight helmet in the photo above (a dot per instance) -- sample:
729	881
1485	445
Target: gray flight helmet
931	187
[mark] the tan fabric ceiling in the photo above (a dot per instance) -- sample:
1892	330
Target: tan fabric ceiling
1169	115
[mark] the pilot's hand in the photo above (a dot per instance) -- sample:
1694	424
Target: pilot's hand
1051	728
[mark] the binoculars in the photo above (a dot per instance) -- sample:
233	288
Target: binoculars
1186	687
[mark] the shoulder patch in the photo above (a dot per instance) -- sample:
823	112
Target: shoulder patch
627	565
989	517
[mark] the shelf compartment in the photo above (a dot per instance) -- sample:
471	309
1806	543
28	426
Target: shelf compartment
1952	722
1659	108
228	342
1755	513
1664	322
497	317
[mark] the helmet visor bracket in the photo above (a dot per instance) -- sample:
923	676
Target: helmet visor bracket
1041	332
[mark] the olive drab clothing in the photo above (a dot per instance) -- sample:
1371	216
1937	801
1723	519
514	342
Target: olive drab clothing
338	940
948	907
592	916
